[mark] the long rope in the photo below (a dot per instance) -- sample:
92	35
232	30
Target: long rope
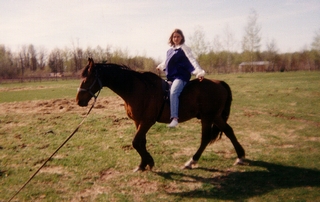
70	136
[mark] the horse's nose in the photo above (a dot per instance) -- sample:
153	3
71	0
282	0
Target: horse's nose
82	103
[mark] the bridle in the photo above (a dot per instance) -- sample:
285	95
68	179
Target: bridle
97	79
89	90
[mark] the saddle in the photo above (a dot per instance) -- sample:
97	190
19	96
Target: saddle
166	95
166	85
166	89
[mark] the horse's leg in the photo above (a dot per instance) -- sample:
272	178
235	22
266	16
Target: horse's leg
228	131
209	133
239	149
139	143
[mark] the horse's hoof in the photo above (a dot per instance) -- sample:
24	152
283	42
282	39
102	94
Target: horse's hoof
149	167
190	164
240	161
187	168
138	169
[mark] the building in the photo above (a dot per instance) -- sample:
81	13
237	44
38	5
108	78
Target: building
257	66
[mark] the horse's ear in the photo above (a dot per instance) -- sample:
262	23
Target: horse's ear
90	60
91	65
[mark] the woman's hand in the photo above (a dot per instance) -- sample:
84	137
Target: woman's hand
199	74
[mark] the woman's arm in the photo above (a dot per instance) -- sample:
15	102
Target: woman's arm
199	72
161	66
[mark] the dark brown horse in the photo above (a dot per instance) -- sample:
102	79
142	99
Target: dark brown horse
142	93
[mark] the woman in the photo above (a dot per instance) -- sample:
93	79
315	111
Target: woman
179	65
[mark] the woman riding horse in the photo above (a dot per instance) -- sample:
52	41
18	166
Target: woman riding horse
142	93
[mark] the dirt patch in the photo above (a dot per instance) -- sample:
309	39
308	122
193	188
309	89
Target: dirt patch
58	106
53	170
23	88
96	189
253	113
90	194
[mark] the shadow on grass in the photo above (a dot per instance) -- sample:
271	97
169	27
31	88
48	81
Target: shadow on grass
243	185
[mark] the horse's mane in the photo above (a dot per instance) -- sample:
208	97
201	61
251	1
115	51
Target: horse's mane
145	77
84	72
122	66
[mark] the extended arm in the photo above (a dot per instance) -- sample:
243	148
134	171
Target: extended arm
199	72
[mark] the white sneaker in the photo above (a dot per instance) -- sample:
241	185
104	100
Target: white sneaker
173	123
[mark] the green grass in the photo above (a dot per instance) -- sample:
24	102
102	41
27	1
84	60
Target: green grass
275	116
16	92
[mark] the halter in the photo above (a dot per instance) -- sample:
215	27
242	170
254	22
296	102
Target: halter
97	79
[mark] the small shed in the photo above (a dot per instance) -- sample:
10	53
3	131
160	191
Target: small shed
257	66
56	74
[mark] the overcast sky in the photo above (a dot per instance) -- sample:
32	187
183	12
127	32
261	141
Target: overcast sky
143	26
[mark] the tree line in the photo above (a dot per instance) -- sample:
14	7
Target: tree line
216	57
31	62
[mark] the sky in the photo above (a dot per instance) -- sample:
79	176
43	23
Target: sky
142	27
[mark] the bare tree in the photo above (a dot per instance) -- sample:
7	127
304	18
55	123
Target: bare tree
316	41
78	56
272	51
229	43
7	66
119	56
197	42
55	61
23	61
33	57
42	58
101	54
89	53
216	44
229	40
251	39
24	58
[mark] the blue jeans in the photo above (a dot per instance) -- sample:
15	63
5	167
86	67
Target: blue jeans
175	91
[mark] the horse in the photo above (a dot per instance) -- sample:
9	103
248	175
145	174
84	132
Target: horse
143	95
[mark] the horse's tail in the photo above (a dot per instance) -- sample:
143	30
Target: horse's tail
215	131
227	107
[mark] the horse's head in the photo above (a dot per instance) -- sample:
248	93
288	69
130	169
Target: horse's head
89	85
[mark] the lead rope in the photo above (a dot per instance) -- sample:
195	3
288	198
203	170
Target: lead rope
70	136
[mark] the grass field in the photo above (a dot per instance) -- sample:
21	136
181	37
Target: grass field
275	116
